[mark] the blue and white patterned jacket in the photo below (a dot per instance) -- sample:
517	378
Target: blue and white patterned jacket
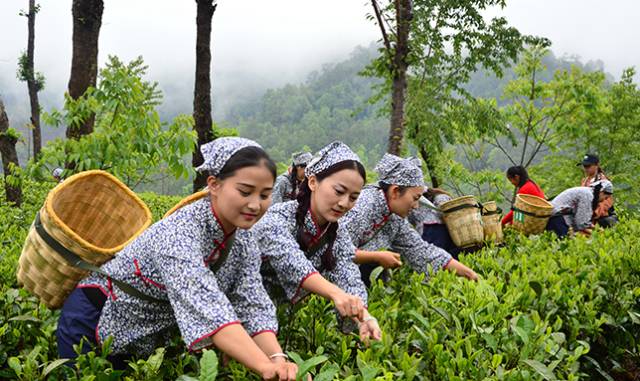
372	227
171	261
285	266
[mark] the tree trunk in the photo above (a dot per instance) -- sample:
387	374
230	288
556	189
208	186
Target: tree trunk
399	85
32	84
435	182
202	92
9	157
87	19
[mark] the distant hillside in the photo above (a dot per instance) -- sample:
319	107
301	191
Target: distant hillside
332	104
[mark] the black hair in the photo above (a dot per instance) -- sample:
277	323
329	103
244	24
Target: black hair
328	260
385	187
518	170
247	157
431	193
596	196
293	177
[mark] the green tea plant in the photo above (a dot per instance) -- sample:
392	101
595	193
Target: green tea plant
544	309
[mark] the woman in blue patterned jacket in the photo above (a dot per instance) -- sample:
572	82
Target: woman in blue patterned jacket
196	270
379	221
286	187
304	248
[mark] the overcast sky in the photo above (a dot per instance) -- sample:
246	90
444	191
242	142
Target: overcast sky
278	41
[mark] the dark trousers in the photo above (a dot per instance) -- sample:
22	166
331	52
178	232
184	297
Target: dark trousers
438	234
558	225
78	322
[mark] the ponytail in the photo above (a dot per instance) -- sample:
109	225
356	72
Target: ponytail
596	197
293	178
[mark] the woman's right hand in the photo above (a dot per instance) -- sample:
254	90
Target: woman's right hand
279	371
388	259
349	305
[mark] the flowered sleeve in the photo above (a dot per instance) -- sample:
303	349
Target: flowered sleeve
354	224
583	213
279	246
346	274
249	298
416	252
200	308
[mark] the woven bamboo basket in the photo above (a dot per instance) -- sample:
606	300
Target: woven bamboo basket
463	220
94	216
186	201
491	222
531	214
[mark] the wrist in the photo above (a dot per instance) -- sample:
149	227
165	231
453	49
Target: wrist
369	318
278	357
450	264
335	293
263	367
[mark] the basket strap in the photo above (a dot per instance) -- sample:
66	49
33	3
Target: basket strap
224	253
530	214
461	207
75	261
313	249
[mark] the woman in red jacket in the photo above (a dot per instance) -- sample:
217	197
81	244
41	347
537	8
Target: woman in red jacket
519	177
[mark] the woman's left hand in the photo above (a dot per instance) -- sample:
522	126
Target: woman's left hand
369	329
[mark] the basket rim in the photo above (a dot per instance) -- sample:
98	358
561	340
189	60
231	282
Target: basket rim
524	197
81	241
457	200
492	204
186	201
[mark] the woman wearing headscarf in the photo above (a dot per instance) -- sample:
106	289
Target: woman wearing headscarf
286	187
306	250
378	221
196	270
605	214
574	208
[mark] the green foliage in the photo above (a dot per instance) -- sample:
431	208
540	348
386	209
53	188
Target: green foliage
12	134
128	139
449	41
544	121
25	74
15	175
159	205
544	309
542	114
611	130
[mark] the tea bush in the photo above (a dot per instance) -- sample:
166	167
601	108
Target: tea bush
543	310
